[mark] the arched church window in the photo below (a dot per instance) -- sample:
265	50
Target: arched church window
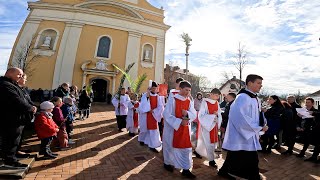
104	47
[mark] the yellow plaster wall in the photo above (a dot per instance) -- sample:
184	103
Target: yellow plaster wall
87	48
152	17
111	9
144	4
141	3
42	67
69	2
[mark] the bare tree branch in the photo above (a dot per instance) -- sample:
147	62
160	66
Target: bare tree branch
25	57
241	60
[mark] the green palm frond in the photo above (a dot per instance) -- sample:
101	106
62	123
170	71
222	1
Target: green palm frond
124	76
138	83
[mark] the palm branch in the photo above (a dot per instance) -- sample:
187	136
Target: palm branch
124	76
138	83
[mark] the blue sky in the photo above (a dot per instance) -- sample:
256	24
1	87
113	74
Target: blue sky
281	37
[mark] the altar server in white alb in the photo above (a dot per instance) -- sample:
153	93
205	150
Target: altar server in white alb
177	89
151	109
177	147
242	134
133	115
121	108
210	120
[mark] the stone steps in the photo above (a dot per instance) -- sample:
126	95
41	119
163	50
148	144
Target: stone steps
17	173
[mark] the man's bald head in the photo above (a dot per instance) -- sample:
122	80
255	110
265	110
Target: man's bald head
14	74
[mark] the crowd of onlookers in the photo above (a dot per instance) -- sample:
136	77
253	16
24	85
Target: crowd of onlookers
286	126
52	119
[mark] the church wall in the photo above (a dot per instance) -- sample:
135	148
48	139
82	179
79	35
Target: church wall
70	2
149	70
87	49
43	66
151	17
139	3
110	9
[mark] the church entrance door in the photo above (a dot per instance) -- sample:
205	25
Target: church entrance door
99	88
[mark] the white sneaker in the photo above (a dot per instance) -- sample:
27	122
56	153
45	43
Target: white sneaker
70	141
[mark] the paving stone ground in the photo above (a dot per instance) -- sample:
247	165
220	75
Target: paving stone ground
101	152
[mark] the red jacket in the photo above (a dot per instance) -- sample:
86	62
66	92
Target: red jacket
44	126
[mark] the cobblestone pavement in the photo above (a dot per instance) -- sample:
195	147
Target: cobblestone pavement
101	152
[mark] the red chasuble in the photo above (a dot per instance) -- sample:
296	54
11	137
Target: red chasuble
181	137
135	115
152	123
214	132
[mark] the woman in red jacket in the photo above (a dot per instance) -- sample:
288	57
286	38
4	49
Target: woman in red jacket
46	129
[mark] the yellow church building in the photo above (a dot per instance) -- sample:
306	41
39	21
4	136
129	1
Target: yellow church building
77	41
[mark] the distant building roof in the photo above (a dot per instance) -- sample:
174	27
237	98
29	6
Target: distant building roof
233	79
317	93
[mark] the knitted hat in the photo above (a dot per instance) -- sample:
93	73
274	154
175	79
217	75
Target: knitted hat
46	105
68	100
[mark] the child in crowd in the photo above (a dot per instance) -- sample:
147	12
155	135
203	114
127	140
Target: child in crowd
84	105
46	129
62	136
67	112
133	117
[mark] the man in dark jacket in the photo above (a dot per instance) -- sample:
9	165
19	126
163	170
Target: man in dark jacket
306	127
28	117
225	115
12	112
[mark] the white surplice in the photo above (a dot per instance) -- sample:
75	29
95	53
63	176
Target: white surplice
124	100
130	123
150	137
179	158
207	122
243	128
173	92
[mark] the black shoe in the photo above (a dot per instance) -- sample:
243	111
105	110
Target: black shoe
287	152
154	150
197	155
188	174
268	151
225	175
300	155
49	156
317	161
23	156
168	167
131	134
311	159
54	154
213	164
141	143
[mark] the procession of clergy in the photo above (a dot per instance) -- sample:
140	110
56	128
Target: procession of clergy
177	112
